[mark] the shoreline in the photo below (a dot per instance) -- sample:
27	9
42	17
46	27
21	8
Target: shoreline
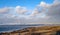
28	27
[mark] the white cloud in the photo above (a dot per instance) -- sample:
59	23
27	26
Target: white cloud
4	10
21	10
17	9
42	14
43	4
40	9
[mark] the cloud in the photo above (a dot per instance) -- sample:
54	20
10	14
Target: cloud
43	4
17	9
52	11
11	15
42	14
4	10
21	10
40	9
44	7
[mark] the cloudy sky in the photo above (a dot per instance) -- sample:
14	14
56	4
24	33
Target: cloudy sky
15	12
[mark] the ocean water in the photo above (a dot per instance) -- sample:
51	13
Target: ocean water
5	28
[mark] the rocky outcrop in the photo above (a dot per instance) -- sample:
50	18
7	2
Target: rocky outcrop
45	30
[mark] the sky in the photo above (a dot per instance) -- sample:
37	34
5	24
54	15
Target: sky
15	12
26	3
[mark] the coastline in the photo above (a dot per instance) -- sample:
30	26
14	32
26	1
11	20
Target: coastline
27	26
35	30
